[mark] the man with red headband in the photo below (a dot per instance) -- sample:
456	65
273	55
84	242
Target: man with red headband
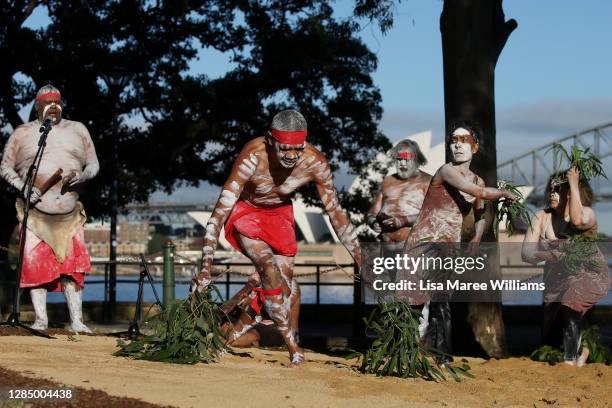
255	207
55	255
401	194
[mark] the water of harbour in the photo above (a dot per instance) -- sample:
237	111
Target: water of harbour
126	292
94	290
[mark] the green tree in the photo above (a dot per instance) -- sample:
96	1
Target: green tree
124	69
14	94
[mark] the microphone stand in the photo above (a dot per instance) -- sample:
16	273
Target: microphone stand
13	320
133	330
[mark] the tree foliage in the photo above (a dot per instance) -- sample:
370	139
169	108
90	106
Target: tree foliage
380	11
125	70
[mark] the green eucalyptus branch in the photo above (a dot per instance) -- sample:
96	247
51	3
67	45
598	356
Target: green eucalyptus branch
511	211
588	164
397	350
190	333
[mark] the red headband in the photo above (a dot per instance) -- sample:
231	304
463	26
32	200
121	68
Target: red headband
48	95
292	138
406	155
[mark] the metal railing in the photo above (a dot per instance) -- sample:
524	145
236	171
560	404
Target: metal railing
222	278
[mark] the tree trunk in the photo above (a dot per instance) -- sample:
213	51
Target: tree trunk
8	221
474	33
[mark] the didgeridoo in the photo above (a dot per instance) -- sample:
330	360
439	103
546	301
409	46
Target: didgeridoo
51	181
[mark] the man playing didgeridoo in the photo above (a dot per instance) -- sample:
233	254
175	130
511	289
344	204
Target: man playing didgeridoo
454	190
256	209
55	256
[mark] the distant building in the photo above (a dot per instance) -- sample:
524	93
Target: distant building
132	238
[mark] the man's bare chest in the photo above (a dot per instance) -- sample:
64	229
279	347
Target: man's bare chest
262	183
59	145
404	190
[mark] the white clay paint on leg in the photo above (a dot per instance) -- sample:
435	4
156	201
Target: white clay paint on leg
75	306
39	302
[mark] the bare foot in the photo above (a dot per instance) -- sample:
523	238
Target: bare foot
39	325
583	357
297	359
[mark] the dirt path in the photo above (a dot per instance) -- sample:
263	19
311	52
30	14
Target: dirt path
87	398
260	378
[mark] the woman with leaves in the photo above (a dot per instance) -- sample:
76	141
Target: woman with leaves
576	274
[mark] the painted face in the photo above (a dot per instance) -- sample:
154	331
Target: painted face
406	163
288	154
50	107
558	195
554	197
462	145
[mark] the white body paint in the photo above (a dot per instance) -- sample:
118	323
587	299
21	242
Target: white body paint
228	198
69	147
39	303
461	132
407	197
74	301
55	118
461	152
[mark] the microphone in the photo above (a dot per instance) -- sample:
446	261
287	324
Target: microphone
46	125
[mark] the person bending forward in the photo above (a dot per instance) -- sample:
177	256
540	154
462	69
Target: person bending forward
256	209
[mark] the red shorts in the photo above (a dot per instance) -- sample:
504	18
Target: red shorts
275	226
41	268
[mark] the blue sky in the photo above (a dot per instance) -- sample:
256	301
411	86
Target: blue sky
558	51
552	79
553	76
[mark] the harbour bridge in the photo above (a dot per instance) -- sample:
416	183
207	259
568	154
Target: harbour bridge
535	166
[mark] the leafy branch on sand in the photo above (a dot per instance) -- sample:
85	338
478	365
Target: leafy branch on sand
588	165
190	333
591	339
397	350
547	354
511	211
598	352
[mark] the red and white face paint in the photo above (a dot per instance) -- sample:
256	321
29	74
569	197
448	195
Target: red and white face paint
462	145
289	146
49	105
406	163
288	154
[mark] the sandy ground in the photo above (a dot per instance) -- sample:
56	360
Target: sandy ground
260	378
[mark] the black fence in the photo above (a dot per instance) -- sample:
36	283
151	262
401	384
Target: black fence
222	276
